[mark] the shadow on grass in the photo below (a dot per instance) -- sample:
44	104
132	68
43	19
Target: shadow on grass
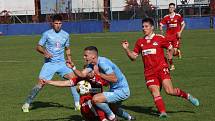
39	104
70	118
150	110
141	109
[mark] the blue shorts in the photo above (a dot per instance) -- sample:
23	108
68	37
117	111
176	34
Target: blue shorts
117	95
49	69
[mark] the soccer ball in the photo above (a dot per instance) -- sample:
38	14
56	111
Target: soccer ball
83	87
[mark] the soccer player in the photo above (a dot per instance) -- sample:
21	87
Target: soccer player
107	70
151	47
52	46
175	26
89	111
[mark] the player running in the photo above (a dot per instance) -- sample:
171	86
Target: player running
151	47
175	26
52	46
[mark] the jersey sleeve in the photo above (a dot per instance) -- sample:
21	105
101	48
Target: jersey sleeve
106	68
67	41
165	43
43	39
137	48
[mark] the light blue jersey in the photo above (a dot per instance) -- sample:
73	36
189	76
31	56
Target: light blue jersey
108	67
55	44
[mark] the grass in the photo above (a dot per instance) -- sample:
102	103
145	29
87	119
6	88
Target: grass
20	65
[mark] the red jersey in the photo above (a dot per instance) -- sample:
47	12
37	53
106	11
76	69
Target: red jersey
173	23
88	110
152	50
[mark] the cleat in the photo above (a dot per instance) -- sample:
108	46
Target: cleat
172	67
113	118
131	118
104	119
179	54
193	100
25	108
163	115
78	107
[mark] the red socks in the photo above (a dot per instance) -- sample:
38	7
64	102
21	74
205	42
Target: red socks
159	104
178	92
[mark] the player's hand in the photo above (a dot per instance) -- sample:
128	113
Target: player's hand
125	44
70	64
96	70
42	82
47	54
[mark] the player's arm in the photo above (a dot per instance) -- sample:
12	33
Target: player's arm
132	56
43	51
162	23
81	74
66	83
68	51
68	55
161	28
182	29
40	46
110	76
182	26
58	83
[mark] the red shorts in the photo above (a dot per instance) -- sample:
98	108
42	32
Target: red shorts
174	40
158	77
89	111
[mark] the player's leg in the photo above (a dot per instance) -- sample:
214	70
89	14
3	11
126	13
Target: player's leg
169	89
67	73
115	107
153	85
46	73
100	101
159	103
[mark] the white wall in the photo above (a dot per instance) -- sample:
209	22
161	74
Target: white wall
18	7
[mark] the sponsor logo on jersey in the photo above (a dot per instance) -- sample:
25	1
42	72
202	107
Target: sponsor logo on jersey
149	52
155	43
172	25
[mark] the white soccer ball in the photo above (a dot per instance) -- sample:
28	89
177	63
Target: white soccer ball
83	87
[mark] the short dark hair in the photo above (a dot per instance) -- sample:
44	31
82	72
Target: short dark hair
57	17
171	4
91	48
149	20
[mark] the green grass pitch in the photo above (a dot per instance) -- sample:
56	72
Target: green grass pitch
195	73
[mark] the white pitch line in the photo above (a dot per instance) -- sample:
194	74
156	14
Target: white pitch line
12	61
99	37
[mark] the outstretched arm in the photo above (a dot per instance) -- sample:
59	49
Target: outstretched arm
66	83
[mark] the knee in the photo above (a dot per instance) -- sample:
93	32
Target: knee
155	92
95	99
169	91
